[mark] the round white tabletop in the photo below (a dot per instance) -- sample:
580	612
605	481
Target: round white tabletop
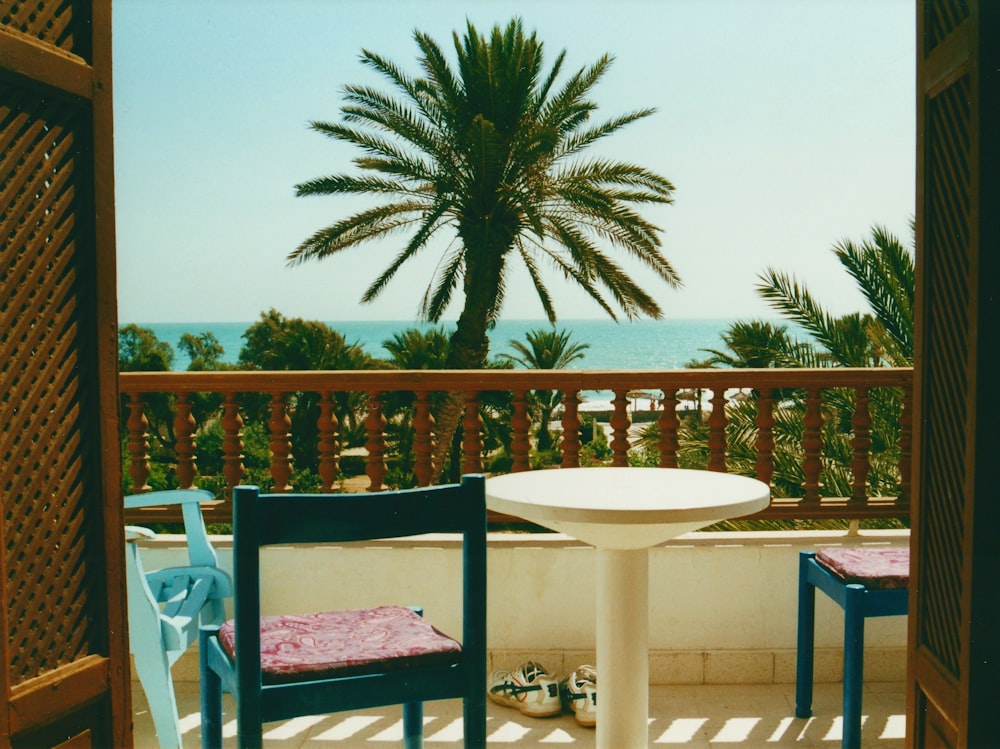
625	508
624	511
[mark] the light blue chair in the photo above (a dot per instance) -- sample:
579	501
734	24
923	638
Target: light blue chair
167	606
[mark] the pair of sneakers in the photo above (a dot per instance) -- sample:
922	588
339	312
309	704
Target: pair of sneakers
539	694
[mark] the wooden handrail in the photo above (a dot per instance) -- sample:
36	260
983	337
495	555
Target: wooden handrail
508	379
377	385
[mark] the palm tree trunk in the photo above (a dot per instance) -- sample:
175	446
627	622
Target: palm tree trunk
446	422
468	350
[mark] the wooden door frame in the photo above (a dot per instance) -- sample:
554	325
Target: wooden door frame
100	678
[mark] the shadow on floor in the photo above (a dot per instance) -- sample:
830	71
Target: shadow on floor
736	716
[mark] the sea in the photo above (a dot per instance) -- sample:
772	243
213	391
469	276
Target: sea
642	344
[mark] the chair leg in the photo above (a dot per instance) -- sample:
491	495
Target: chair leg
211	697
805	640
475	722
152	666
413	725
854	664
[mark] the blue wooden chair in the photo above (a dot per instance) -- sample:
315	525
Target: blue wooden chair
338	662
864	582
166	607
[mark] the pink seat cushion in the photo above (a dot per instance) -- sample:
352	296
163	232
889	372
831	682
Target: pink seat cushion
879	567
345	643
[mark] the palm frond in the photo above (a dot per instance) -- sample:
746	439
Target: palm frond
343	184
430	224
366	226
438	294
536	279
377	146
578	140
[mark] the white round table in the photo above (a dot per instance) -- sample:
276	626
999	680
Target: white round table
623	512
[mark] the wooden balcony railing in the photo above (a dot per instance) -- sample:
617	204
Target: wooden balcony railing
770	390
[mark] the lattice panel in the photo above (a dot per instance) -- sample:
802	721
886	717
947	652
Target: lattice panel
947	335
60	23
941	17
47	462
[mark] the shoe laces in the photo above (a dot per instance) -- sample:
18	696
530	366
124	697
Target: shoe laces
532	670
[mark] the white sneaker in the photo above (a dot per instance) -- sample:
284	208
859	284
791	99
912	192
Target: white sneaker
529	688
579	691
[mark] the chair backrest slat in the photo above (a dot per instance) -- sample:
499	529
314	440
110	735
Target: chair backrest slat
334	518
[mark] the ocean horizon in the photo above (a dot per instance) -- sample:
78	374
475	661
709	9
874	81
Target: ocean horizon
641	344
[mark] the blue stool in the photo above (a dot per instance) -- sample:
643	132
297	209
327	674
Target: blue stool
864	582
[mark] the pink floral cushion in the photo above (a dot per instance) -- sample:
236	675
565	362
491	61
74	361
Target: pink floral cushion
879	567
345	643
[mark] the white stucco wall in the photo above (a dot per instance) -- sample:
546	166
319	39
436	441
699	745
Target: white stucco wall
722	605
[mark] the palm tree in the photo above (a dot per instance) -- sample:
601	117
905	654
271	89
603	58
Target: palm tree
546	349
883	269
418	349
758	344
412	348
490	152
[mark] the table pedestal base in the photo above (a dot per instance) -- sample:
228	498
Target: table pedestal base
622	648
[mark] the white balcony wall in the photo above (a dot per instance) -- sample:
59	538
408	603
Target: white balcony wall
722	605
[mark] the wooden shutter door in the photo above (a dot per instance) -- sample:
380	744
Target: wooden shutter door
953	628
63	650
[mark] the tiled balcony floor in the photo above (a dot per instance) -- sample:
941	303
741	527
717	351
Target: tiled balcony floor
736	716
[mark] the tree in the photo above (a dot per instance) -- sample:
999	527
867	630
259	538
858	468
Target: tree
883	269
759	344
412	348
491	153
276	342
204	352
546	349
418	349
139	350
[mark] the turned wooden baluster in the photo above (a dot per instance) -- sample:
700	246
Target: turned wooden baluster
905	448
138	445
327	444
232	442
619	429
765	436
669	423
472	435
571	430
717	431
423	441
280	426
812	445
184	444
861	444
375	444
520	439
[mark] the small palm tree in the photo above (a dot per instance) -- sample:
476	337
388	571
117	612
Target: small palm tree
418	349
491	153
546	349
758	344
412	348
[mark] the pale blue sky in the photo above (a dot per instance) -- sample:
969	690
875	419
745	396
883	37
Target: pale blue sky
785	125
